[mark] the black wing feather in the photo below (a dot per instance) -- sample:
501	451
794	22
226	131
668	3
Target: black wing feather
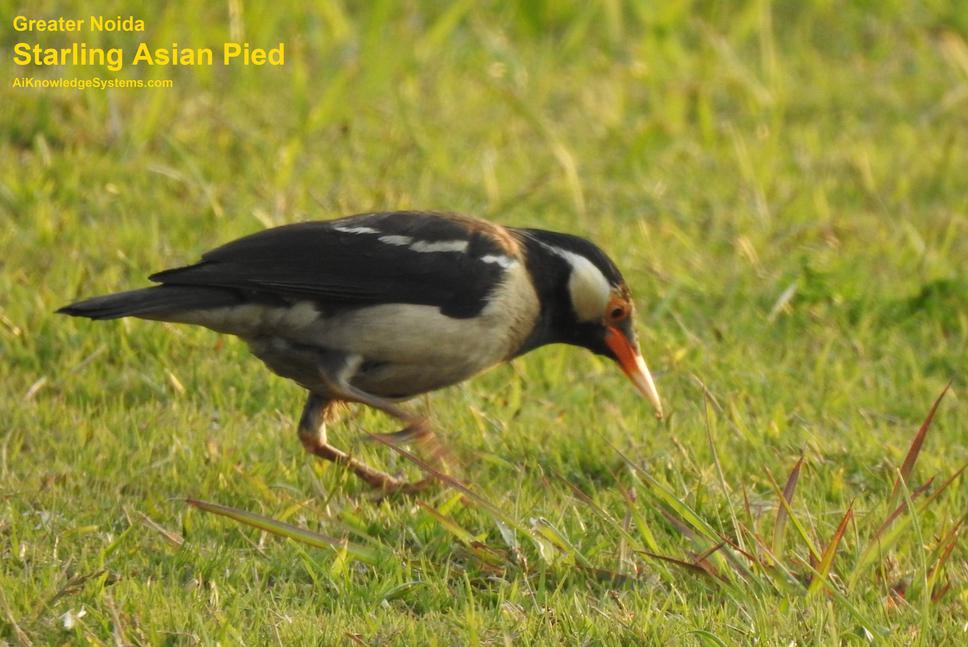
316	260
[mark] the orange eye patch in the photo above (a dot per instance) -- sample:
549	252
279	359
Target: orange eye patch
618	309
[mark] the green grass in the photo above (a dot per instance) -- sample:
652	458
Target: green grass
783	185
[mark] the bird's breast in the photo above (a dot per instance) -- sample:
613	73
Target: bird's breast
405	349
408	334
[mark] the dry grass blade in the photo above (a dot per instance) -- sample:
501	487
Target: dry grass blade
947	546
702	568
781	511
679	525
19	634
681	516
827	559
899	510
915	449
729	543
355	638
890	531
702	558
866	621
170	536
781	575
813	556
368	554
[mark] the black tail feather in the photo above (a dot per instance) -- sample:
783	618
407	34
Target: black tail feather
157	302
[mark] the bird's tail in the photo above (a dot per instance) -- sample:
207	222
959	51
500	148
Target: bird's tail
163	302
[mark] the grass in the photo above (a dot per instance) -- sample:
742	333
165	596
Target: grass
783	186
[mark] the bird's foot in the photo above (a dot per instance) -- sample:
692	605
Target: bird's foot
369	475
404	488
420	434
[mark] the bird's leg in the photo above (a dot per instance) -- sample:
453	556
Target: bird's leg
417	429
312	433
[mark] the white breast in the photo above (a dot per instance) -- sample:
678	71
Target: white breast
420	334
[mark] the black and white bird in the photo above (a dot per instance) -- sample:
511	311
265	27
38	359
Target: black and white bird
380	307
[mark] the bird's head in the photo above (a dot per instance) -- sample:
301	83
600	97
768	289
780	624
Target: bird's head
586	302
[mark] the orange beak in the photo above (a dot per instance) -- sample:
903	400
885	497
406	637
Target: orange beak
634	366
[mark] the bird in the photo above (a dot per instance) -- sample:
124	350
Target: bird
377	308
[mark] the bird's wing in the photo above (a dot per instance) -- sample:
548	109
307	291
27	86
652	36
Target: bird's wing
443	260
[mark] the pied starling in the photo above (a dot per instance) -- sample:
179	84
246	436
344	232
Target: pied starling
380	307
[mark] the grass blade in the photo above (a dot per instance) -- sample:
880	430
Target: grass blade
781	511
594	507
867	622
915	449
367	554
892	529
463	535
478	549
702	568
827	559
544	528
545	548
946	547
781	575
899	510
707	636
686	520
707	401
925	615
641	523
636	516
661	494
795	521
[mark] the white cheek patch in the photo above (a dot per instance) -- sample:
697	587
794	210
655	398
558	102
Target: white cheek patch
587	286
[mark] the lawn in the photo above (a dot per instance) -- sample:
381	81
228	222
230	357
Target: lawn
784	187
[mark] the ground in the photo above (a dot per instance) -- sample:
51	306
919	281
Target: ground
783	186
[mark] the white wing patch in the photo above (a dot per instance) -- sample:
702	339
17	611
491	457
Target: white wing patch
440	246
503	261
426	247
420	246
396	240
357	230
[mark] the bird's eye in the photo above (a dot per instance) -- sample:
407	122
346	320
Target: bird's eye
616	312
